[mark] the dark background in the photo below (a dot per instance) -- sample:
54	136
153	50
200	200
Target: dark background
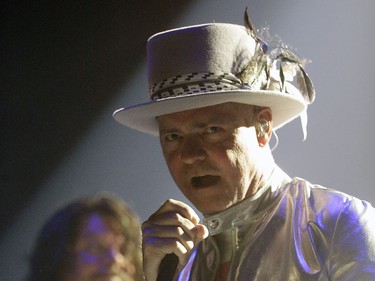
61	63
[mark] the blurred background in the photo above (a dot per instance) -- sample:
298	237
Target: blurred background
67	65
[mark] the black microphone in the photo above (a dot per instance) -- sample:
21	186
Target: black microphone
167	268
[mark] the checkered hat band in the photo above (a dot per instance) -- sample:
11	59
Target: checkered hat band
192	83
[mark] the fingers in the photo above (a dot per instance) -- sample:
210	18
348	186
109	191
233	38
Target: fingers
174	229
154	250
175	219
182	234
177	207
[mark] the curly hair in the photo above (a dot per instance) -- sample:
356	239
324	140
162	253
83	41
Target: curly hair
52	255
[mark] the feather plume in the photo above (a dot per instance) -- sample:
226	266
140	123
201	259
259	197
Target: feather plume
258	67
290	65
305	85
248	25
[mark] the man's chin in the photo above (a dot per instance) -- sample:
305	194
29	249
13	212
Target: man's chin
209	209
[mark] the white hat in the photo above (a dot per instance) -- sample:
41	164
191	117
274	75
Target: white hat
210	64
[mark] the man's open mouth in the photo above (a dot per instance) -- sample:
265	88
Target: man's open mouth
204	181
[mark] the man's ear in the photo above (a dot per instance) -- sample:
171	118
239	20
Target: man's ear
263	125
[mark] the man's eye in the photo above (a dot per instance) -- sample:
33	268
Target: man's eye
213	129
171	137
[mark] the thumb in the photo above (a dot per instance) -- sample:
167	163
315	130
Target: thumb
201	232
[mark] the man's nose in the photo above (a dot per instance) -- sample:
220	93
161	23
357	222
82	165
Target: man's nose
193	149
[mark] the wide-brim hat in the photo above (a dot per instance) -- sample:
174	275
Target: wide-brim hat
205	65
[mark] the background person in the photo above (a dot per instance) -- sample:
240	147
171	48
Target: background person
93	238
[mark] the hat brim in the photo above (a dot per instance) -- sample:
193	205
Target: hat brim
142	117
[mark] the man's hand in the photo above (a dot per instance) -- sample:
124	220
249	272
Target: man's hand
174	228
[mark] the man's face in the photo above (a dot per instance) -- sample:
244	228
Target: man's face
99	252
212	154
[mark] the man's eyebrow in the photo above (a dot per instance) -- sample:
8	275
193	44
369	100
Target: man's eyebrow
218	120
168	130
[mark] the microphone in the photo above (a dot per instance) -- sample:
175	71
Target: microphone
167	268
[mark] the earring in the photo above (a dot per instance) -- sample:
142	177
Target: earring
261	129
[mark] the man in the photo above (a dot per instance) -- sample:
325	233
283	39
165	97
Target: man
218	91
90	239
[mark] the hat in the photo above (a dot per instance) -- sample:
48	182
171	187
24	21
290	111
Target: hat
209	64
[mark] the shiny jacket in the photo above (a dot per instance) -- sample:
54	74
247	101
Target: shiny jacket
291	230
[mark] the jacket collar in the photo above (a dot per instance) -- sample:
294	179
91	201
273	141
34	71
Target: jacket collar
233	216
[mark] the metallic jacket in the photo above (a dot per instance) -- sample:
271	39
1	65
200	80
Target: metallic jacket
290	230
